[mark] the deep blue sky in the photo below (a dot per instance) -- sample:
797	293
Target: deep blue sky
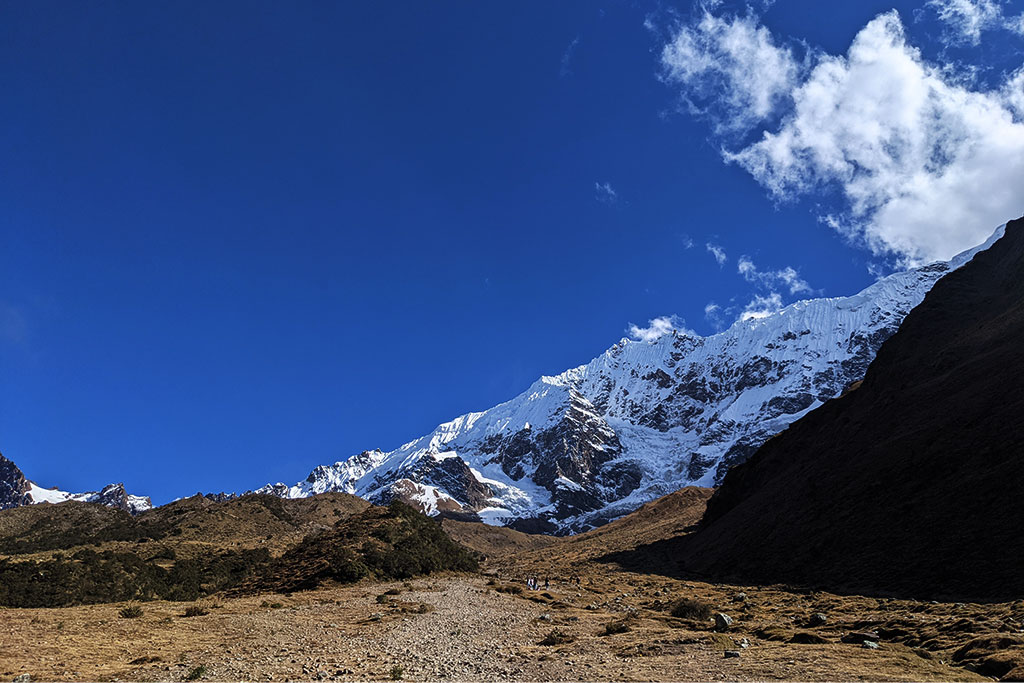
243	239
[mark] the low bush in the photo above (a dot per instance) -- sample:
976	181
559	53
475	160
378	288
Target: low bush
130	612
691	609
614	627
195	673
557	637
195	611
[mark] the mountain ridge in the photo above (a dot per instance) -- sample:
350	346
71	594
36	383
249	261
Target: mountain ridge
581	448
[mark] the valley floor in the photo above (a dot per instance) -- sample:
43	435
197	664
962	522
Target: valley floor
459	627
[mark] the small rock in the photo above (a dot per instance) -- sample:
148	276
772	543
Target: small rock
817	619
729	654
857	637
744	643
23	678
739	597
545	617
722	622
869	645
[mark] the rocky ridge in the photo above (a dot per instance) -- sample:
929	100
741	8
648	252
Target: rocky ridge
643	419
16	490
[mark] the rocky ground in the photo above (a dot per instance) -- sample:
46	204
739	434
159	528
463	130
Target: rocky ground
464	627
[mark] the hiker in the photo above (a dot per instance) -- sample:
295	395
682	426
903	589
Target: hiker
547	583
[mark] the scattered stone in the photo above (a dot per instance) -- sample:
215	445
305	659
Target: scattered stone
857	637
817	619
545	617
722	622
869	645
23	678
744	643
730	654
739	597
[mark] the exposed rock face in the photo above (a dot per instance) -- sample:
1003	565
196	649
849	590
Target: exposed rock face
910	484
14	488
643	419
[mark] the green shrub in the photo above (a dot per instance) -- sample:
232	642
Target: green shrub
397	672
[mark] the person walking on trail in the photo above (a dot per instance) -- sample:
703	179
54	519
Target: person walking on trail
547	583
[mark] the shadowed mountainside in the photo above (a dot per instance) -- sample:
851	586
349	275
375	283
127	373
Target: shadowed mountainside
909	485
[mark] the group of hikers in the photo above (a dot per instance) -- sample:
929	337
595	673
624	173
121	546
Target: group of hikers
533	583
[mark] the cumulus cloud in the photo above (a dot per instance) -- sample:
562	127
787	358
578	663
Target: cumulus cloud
967	19
735	59
606	193
659	327
761	306
717	252
787	277
923	166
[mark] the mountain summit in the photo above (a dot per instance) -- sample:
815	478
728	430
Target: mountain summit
643	419
16	491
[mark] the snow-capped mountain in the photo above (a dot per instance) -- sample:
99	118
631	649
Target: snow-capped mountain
643	419
16	490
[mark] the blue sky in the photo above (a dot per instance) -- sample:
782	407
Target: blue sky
243	239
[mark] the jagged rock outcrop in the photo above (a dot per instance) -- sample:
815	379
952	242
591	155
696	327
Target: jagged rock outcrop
14	487
643	419
16	490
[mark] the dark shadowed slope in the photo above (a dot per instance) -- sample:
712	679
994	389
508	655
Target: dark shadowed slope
912	484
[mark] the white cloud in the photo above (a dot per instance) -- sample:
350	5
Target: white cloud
717	252
762	306
687	241
735	59
968	18
924	166
787	277
606	193
566	69
659	327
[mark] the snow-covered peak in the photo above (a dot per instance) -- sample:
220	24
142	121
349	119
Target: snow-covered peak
642	419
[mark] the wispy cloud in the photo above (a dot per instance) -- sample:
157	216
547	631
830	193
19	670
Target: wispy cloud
606	193
565	70
717	252
787	277
658	328
966	19
761	306
925	166
714	314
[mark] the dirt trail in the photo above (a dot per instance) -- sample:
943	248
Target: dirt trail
467	631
